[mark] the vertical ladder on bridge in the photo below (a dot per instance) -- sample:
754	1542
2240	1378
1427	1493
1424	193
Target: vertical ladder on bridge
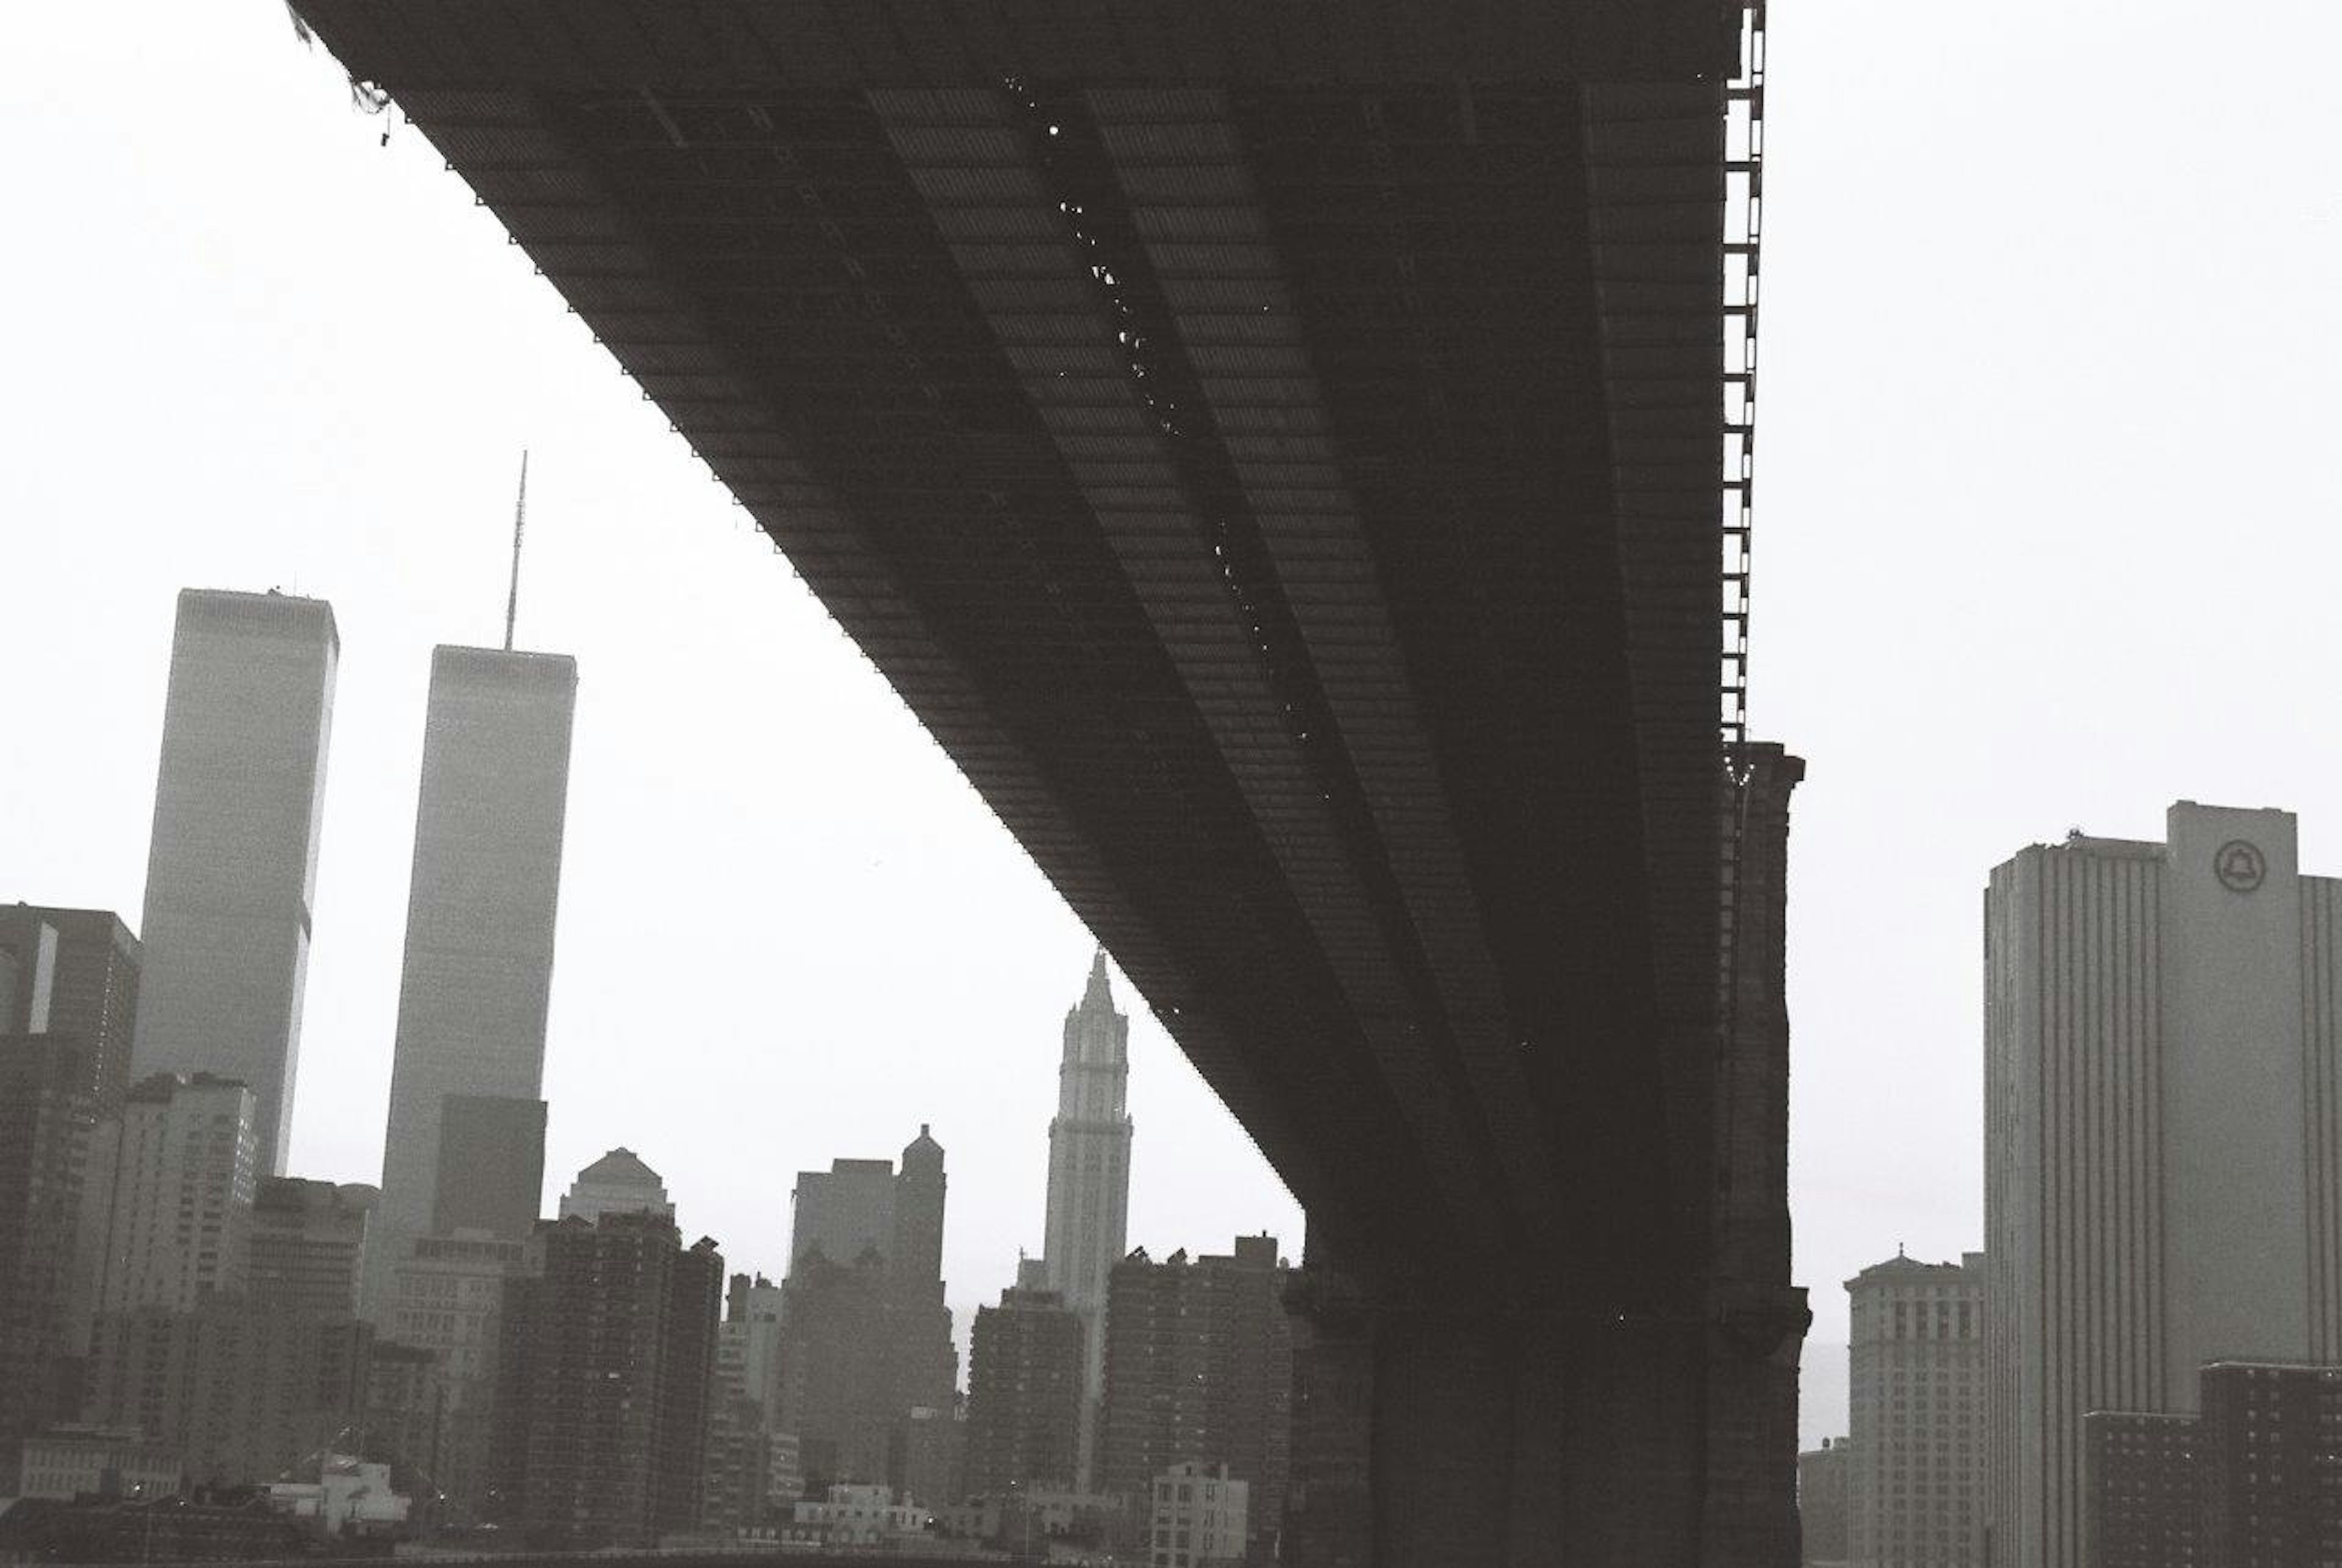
1744	192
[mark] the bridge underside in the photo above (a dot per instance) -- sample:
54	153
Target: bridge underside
1276	450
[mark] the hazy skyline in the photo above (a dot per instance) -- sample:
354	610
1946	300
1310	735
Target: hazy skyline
2044	538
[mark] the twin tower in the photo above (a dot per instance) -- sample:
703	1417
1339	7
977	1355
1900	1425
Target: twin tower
232	875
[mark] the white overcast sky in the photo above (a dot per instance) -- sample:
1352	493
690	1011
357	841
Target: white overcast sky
2047	507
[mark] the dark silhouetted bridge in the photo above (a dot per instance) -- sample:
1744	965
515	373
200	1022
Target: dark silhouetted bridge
1292	455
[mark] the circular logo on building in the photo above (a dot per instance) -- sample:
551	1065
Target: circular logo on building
2239	866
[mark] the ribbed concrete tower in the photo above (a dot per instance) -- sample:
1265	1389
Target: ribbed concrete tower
1089	1178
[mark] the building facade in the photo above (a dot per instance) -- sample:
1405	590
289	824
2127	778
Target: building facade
45	1117
1199	1370
1822	1502
1026	1362
232	870
72	1462
2162	1038
481	901
2139	1479
173	1179
239	1394
1089	1178
447	1297
308	1244
1198	1515
73	972
606	1359
2269	1444
1915	1486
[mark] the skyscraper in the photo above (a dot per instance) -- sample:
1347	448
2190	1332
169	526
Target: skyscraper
75	974
480	906
2163	1157
866	1335
232	870
1090	1177
1915	1494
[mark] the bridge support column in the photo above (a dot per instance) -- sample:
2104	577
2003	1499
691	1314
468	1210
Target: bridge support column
1460	1436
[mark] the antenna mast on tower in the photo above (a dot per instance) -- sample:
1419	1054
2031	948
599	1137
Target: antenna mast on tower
520	515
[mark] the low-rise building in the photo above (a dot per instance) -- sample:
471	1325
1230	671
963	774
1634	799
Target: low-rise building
1199	1515
349	1497
69	1461
856	1516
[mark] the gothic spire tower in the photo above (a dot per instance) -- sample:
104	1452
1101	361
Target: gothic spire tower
1089	1173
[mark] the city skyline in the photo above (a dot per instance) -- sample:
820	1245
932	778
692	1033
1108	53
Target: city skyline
668	526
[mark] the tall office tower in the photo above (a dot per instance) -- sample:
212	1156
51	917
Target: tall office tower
308	1244
490	1172
76	973
2163	1144
44	1133
176	1170
1915	1494
447	1297
1025	1365
616	1184
232	868
480	908
866	1335
1089	1178
606	1357
1199	1369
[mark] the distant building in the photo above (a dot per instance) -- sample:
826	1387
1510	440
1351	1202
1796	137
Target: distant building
2157	1017
743	1411
1089	1180
1199	1515
935	1454
1821	1474
239	1394
173	1180
406	1415
1199	1370
867	1342
232	870
1328	1516
606	1357
46	1111
2139	1484
349	1498
69	1461
447	1297
843	1212
1914	1488
850	1516
73	972
1024	1394
309	1246
479	970
616	1184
